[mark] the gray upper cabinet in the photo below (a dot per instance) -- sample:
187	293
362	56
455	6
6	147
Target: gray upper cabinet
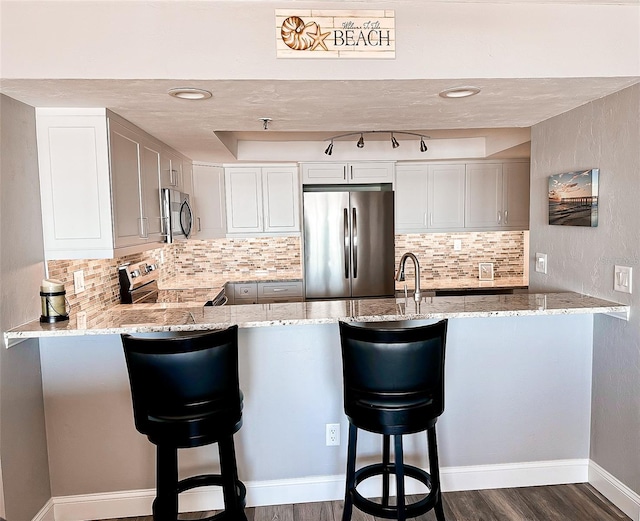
429	197
262	199
497	196
99	184
348	173
209	201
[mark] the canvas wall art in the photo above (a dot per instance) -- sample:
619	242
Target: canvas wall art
573	198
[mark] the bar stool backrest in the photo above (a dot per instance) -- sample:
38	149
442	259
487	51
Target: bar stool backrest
393	368
183	376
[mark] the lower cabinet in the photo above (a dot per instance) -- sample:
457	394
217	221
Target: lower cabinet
263	292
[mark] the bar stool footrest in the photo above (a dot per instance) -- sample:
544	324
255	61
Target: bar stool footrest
389	511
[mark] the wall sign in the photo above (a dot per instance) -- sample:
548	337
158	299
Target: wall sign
320	33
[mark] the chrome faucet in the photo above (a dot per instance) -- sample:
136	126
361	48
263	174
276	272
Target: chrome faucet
400	274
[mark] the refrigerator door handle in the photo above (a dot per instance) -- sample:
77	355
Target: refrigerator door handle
346	243
354	224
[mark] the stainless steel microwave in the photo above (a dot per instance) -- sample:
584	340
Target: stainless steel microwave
177	218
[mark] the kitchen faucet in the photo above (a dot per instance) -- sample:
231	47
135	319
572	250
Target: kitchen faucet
400	274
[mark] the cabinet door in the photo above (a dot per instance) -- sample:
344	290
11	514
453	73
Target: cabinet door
281	199
324	173
208	198
370	172
127	190
152	216
483	197
516	190
446	197
411	198
75	191
243	189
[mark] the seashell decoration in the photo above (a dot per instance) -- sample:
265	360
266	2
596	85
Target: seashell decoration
296	35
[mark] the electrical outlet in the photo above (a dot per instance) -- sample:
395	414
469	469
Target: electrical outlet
332	434
541	262
78	281
622	279
457	244
81	319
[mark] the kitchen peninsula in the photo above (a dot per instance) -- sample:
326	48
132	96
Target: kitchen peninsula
518	388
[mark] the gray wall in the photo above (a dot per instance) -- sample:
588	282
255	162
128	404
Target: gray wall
23	447
604	134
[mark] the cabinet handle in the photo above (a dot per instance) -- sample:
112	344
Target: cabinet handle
277	290
499	217
143	229
506	214
430	218
199	226
173	177
344	173
351	170
424	218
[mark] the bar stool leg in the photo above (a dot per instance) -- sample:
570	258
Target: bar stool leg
165	505
400	499
234	507
434	470
386	444
351	473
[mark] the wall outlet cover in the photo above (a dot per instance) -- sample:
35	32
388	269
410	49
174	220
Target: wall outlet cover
541	263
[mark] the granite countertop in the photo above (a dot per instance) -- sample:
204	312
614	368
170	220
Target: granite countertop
136	318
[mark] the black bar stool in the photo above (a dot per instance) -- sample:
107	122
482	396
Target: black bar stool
393	385
185	393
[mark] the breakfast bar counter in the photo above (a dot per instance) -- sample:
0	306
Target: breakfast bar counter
137	318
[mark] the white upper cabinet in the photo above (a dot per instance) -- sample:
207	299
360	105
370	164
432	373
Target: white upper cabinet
497	196
262	200
515	195
172	171
99	184
429	197
135	182
346	173
209	201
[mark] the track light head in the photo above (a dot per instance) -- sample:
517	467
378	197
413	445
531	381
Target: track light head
394	141
329	149
423	145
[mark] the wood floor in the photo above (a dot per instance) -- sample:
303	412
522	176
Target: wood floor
553	503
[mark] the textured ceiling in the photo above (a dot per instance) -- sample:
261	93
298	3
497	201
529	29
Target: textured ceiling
313	110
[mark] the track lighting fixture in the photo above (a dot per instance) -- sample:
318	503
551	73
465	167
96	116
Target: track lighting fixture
329	148
394	141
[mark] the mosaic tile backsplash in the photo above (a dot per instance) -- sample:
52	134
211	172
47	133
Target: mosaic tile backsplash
249	258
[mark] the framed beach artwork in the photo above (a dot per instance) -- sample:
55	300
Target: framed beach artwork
573	198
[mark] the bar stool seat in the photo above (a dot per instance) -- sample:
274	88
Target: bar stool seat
393	385
185	393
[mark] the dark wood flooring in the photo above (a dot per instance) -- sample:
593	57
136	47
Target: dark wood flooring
579	502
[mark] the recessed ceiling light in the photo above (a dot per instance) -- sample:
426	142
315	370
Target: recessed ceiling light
459	92
189	93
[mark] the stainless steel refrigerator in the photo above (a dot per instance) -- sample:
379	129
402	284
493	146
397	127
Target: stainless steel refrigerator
348	244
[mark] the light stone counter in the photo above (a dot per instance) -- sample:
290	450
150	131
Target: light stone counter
139	318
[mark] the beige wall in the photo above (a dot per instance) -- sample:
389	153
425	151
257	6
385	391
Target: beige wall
23	449
604	134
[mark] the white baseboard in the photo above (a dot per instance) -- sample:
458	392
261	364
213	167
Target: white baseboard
615	491
132	503
46	512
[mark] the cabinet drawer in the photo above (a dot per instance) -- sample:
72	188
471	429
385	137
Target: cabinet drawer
279	290
245	291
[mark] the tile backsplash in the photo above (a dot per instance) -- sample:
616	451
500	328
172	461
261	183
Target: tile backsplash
257	257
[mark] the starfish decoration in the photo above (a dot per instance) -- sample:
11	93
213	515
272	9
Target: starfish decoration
318	38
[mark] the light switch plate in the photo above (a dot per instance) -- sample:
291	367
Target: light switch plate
78	281
541	263
622	279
